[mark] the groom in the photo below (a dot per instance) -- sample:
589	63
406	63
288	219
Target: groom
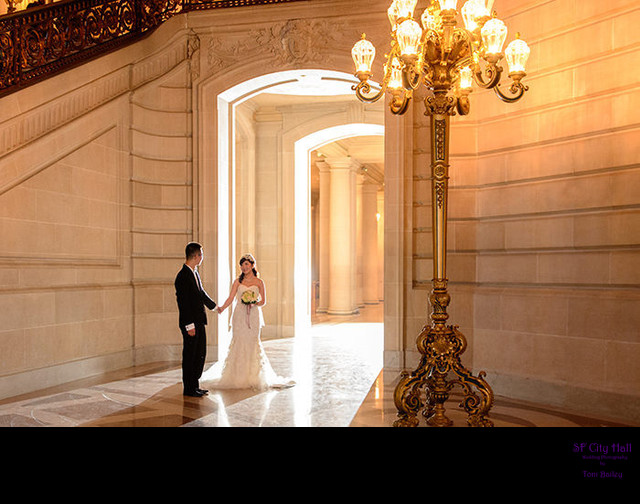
192	300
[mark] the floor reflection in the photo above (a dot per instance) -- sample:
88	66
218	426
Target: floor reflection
339	378
334	365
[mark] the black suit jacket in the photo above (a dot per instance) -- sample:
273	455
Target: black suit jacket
191	299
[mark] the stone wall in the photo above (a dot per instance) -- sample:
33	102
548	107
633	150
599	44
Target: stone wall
545	213
558	214
94	213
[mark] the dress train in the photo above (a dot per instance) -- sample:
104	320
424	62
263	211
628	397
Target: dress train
246	364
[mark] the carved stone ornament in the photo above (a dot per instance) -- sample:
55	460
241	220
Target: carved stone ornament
292	43
299	41
193	48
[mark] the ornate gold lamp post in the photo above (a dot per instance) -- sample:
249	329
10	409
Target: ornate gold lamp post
447	60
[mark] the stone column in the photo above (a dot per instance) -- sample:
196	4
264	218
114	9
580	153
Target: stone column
370	241
269	236
381	244
342	218
324	236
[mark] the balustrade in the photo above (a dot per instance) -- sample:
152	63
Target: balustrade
43	40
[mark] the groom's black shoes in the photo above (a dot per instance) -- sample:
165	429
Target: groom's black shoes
202	391
196	393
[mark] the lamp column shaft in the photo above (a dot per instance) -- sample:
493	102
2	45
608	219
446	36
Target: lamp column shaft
439	205
440	345
440	189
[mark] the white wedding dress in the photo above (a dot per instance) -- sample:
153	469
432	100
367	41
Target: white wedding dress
246	365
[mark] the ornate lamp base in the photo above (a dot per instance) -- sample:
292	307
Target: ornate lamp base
441	347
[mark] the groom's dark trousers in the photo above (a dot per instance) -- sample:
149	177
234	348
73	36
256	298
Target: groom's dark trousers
192	299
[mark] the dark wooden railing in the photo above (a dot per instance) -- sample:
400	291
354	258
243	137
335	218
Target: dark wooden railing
43	41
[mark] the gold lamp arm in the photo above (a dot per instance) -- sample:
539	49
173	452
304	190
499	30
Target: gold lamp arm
400	100
517	90
363	88
492	72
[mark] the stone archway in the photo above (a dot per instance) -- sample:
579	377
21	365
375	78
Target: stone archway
243	51
285	155
303	148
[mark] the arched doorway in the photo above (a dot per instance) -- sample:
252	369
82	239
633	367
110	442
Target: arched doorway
263	128
305	305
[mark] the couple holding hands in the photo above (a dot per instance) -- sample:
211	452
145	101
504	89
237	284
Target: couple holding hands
246	364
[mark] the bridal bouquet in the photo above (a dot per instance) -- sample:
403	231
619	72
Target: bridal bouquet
249	297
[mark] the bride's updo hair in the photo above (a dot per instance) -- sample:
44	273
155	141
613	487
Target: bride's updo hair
250	258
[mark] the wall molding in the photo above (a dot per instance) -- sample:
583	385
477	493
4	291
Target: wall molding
30	126
115	261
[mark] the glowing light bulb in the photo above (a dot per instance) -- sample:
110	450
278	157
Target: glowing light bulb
448	4
517	54
409	34
363	53
395	81
466	78
405	8
472	11
431	19
494	33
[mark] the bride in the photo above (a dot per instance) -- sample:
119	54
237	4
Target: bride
246	364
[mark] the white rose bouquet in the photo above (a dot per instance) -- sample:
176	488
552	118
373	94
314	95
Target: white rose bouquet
249	297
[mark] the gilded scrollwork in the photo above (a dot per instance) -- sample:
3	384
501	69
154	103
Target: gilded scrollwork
440	104
441	139
35	44
429	386
440	193
42	44
7	59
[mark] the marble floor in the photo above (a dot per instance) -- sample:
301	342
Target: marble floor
339	383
